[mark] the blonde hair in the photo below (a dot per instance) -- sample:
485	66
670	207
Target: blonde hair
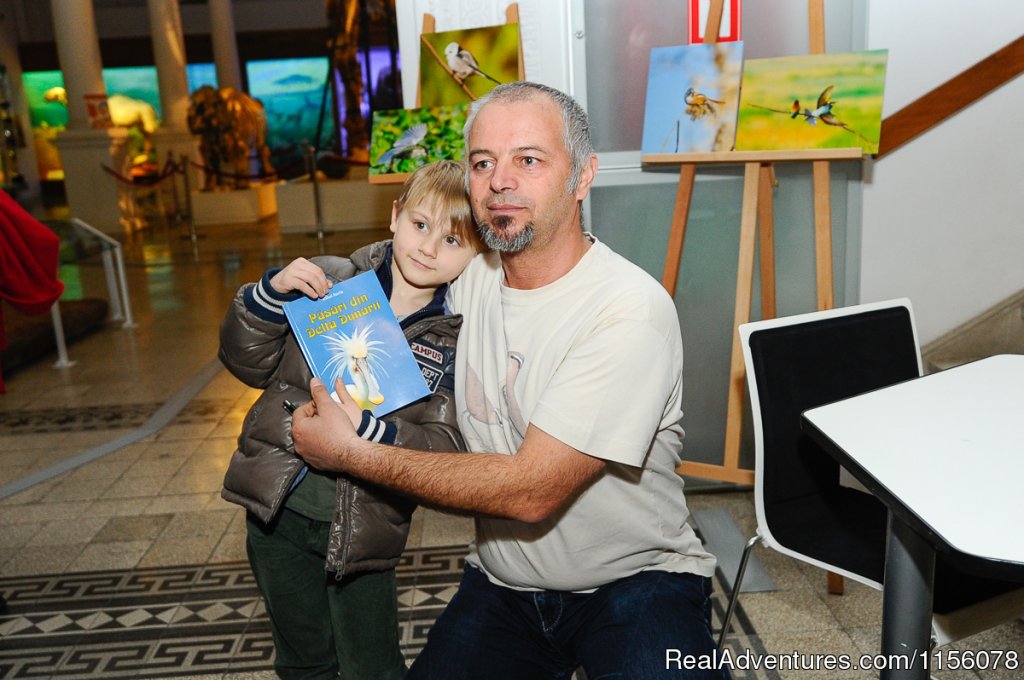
442	186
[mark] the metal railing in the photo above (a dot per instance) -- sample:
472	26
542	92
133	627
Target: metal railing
117	289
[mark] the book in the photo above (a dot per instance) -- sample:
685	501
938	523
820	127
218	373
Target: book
351	333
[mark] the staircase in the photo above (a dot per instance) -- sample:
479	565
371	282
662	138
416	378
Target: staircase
998	330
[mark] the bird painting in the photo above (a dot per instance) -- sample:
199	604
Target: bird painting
463	64
692	97
699	105
823	111
816	101
408	144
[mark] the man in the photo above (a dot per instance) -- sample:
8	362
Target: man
568	388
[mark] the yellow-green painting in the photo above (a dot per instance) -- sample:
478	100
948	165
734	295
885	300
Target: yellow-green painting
820	101
461	66
404	139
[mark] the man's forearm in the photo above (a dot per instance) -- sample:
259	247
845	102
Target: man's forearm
512	486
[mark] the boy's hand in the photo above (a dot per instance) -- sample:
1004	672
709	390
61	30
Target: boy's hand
321	431
303	276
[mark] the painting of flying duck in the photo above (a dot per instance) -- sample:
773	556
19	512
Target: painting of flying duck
692	96
820	101
404	139
461	66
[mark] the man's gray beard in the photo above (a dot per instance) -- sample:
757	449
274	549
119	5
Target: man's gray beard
495	241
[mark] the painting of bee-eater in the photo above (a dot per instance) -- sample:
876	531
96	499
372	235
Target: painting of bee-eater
461	66
692	96
820	101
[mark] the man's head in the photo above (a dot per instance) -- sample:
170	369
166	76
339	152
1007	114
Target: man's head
435	236
531	162
575	124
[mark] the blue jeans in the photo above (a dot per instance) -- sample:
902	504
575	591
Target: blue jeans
622	630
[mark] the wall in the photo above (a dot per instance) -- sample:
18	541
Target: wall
943	216
632	206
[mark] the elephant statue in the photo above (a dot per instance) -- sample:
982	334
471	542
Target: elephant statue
124	111
230	125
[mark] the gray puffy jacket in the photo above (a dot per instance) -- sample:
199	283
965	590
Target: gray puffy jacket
371	524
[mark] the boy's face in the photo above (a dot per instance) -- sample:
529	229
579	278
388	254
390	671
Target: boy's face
427	253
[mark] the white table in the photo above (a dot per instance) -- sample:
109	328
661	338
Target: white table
945	453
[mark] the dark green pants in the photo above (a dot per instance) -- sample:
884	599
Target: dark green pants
323	628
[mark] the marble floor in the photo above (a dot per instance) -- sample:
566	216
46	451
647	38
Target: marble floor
118	558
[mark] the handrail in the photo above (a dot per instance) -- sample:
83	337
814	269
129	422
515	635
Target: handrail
115	299
951	97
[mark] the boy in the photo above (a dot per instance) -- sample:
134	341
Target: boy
323	547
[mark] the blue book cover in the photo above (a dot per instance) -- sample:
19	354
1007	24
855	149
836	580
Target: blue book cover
351	333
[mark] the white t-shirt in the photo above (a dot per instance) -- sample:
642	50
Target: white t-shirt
594	360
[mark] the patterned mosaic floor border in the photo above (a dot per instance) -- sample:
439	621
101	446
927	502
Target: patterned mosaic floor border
197	620
105	417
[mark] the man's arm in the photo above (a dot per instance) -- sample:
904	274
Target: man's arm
540	478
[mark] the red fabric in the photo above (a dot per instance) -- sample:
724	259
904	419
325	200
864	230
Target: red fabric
28	264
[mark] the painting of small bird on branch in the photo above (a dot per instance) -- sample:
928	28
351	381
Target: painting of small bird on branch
846	90
692	97
404	139
463	65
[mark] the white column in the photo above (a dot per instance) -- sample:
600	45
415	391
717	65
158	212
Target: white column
93	195
225	47
78	48
169	55
172	139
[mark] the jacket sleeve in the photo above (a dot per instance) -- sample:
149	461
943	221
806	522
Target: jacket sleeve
427	425
254	332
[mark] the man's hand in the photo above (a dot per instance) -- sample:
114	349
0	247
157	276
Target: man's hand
303	276
348	404
322	431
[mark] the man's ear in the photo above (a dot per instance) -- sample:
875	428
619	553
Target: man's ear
587	175
394	217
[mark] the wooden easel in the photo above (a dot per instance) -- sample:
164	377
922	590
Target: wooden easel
430	26
757	210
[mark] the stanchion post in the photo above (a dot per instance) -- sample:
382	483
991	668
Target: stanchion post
174	185
316	200
192	235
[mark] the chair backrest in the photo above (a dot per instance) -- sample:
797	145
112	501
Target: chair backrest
794	364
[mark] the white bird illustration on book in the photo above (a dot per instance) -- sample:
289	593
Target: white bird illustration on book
363	359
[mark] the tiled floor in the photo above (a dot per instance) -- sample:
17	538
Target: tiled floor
131	566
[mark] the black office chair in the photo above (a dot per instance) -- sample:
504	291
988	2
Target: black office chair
806	508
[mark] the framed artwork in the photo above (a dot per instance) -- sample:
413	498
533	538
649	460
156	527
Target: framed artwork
404	139
730	28
818	101
693	92
463	65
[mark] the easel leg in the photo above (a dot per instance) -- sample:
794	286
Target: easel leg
766	237
677	232
744	281
823	266
823	234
